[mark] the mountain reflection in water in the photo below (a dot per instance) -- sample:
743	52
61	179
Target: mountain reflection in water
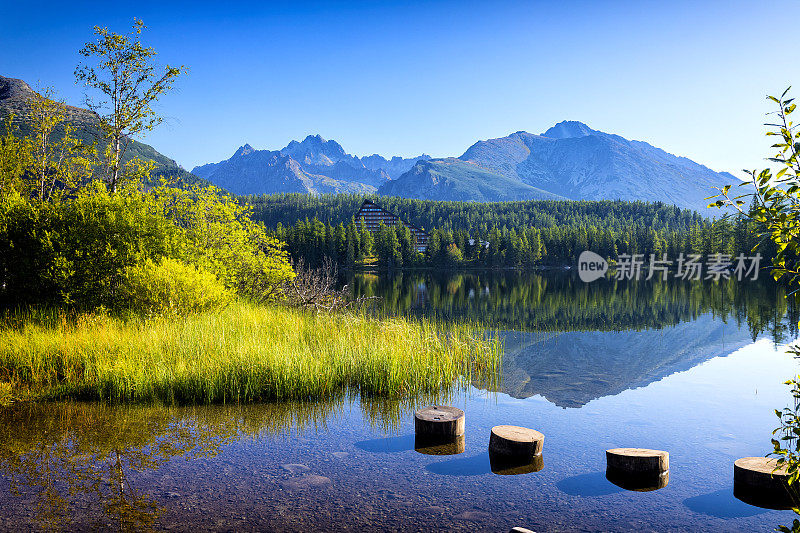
572	342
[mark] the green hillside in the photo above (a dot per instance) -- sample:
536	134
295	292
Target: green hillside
14	96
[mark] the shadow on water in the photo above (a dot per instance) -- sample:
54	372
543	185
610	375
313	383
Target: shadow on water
402	443
721	504
593	484
477	465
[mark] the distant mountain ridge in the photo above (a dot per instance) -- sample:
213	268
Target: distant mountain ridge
569	161
314	165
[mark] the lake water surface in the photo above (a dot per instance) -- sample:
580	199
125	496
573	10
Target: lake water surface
692	368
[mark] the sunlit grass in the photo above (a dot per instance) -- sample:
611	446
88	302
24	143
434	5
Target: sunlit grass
5	393
243	353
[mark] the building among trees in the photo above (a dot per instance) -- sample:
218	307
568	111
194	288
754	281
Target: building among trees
373	215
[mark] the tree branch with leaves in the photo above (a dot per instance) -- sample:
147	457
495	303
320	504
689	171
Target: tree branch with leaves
775	208
124	74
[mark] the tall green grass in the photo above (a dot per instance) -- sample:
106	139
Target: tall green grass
243	353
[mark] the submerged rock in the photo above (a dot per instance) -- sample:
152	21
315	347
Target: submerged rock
308	481
295	468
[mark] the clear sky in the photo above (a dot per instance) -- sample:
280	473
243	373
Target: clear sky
403	78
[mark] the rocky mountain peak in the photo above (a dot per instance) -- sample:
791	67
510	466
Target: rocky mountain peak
315	150
14	89
568	129
244	150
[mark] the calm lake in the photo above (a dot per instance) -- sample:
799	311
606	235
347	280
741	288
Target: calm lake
689	367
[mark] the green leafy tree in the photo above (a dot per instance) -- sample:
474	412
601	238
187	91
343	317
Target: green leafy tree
122	70
220	237
58	162
15	158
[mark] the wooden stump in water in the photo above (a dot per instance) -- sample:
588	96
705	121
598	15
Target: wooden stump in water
439	421
520	530
515	443
439	445
637	461
758	481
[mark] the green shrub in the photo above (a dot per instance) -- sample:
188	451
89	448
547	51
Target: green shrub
75	252
220	237
78	252
172	287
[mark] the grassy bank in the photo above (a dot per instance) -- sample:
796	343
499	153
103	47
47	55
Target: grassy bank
243	353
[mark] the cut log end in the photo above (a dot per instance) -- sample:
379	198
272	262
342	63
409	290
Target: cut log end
759	481
439	420
515	443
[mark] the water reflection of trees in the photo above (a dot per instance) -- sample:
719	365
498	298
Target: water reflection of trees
62	456
550	301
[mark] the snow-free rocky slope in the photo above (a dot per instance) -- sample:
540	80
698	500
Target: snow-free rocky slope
568	161
312	166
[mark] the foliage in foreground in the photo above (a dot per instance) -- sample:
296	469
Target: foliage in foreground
776	211
152	251
243	353
78	229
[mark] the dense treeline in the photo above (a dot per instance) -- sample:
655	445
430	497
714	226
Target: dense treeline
502	234
473	216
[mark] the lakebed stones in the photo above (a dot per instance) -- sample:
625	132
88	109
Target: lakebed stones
296	468
758	481
638	469
306	482
515	443
440	421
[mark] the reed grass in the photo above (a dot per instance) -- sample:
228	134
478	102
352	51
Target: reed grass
5	393
243	353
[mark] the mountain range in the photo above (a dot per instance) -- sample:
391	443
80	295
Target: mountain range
570	161
311	166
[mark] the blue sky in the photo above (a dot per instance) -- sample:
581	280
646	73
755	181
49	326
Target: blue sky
405	78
